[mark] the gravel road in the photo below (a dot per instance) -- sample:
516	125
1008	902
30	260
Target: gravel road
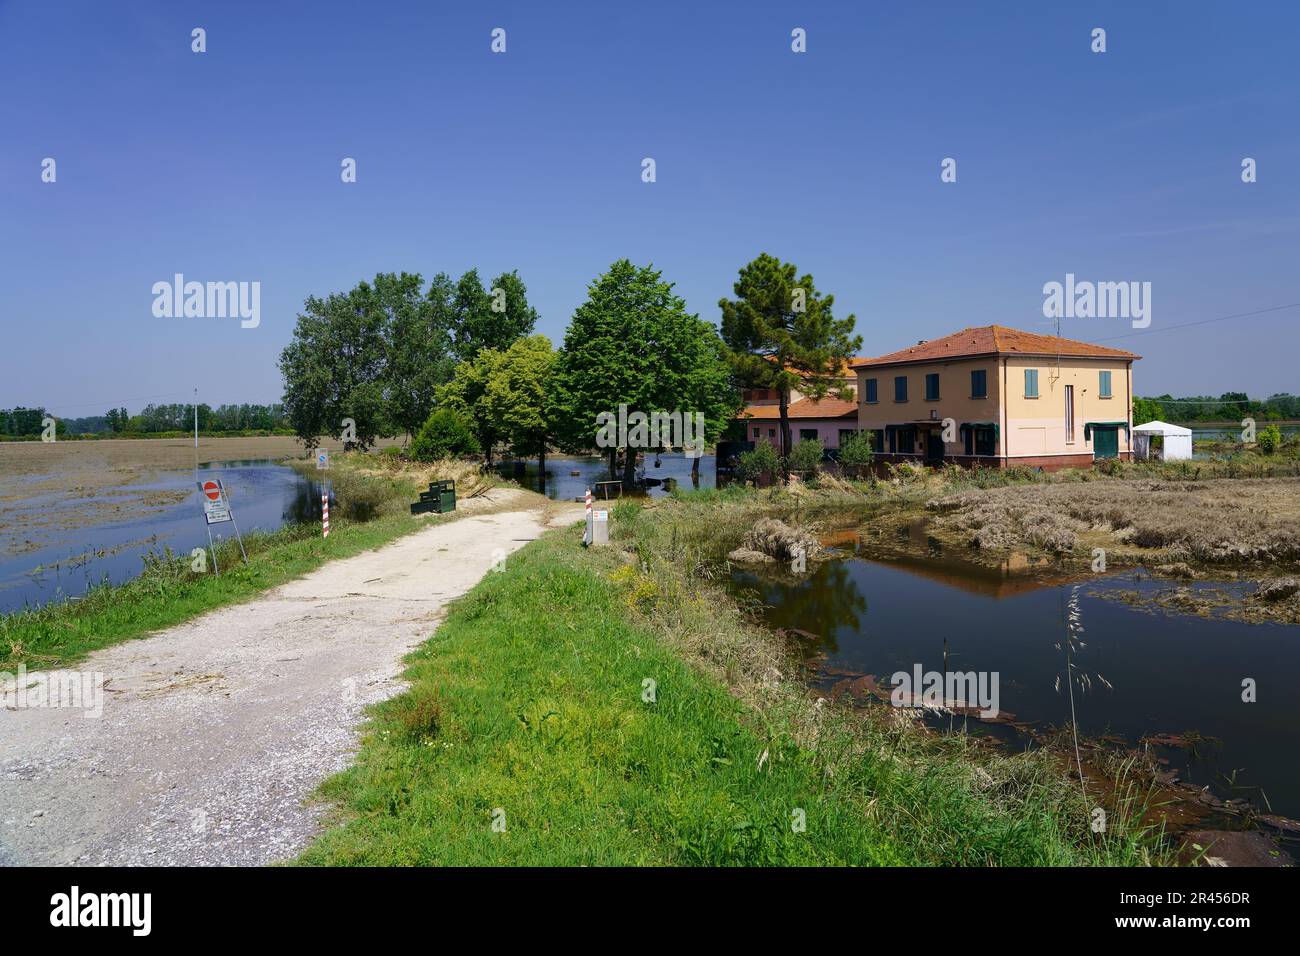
214	732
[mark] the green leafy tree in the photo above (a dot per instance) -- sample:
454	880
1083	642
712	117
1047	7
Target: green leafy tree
466	393
781	333
492	318
336	368
446	433
1269	439
517	399
418	337
695	376
633	343
1147	410
855	451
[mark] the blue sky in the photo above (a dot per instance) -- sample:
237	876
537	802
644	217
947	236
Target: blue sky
225	166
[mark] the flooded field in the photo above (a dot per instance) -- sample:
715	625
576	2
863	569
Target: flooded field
563	485
1174	681
75	513
70	550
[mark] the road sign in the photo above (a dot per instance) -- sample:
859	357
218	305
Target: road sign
322	459
215	507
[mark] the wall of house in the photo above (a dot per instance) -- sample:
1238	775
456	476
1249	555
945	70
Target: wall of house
828	429
1031	430
1036	426
954	401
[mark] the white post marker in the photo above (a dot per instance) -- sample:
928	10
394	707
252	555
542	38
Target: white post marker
325	513
586	534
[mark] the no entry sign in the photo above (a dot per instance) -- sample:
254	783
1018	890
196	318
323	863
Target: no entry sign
215	508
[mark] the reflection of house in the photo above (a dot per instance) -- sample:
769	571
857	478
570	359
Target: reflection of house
827	419
998	396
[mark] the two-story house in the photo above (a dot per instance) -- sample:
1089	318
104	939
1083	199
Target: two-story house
998	397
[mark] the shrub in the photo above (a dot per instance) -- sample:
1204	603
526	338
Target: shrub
855	450
763	460
1269	439
806	455
445	434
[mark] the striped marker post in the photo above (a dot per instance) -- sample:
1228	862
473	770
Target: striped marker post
325	514
588	532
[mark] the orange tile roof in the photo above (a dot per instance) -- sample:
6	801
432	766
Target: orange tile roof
846	369
803	409
994	340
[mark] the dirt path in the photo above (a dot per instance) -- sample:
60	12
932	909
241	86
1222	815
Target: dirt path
214	732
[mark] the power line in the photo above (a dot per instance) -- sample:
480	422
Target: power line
1188	325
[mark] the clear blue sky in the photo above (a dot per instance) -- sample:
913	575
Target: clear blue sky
225	166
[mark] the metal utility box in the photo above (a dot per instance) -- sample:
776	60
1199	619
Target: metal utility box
439	499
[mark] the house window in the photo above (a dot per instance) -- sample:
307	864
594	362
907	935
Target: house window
1031	383
808	434
757	431
900	388
1105	384
906	440
932	387
771	433
846	434
877	440
984	442
871	391
979	383
1069	414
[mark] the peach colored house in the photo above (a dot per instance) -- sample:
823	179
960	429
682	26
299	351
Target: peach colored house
998	397
826	420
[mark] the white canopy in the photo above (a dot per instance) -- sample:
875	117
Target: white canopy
1175	441
1162	428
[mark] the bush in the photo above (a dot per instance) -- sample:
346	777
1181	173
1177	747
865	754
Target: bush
1269	439
763	460
445	434
855	450
806	455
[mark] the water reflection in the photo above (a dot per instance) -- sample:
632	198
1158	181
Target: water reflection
1171	675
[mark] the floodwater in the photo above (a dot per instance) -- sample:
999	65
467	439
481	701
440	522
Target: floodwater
563	485
1168	674
263	496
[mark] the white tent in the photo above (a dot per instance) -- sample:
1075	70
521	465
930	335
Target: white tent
1176	441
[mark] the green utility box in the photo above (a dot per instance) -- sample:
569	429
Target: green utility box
439	499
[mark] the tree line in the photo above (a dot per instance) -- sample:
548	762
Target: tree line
1228	407
457	367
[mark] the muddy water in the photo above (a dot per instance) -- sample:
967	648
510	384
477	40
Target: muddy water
1176	675
91	544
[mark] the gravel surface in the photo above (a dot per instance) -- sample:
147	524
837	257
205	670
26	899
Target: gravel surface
214	733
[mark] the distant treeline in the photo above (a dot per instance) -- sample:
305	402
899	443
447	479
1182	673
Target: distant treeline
153	419
1228	407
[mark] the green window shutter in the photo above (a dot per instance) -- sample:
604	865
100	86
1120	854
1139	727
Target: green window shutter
932	387
871	390
900	388
1105	384
979	384
1031	383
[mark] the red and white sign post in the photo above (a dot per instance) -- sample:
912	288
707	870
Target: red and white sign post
325	513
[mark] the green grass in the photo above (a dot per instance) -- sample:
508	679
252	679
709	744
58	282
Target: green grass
527	706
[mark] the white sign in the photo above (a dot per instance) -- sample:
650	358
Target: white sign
322	459
215	508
